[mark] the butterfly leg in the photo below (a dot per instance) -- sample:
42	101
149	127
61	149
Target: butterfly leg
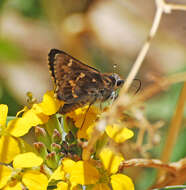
85	115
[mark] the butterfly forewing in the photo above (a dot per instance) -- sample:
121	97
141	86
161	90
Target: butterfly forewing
51	59
76	83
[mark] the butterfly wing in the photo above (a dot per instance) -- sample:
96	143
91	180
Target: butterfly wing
76	83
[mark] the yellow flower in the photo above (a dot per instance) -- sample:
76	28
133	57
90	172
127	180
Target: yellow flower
75	173
118	133
9	146
37	115
83	119
31	178
84	173
110	160
80	172
111	164
70	174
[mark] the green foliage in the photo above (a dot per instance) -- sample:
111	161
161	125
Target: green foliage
30	8
163	105
10	51
2	3
147	178
6	97
179	149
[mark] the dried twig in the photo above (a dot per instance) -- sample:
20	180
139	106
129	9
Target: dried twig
150	163
124	101
175	172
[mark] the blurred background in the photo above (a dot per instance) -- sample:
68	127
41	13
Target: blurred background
101	33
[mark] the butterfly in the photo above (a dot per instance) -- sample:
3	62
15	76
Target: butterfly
78	84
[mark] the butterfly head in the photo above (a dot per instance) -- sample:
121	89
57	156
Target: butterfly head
112	82
117	81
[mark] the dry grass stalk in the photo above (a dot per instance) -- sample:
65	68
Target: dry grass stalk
174	171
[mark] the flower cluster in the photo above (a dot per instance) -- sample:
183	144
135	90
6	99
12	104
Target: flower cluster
55	160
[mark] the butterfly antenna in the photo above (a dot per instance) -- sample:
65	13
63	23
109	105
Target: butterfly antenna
114	68
139	85
85	115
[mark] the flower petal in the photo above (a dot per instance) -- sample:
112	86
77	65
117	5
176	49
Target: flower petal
90	130
110	161
5	173
78	116
3	114
84	119
68	165
27	160
35	180
20	126
118	134
9	148
84	173
37	115
121	182
58	174
49	105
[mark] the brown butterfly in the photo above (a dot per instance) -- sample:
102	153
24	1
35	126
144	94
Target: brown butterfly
78	84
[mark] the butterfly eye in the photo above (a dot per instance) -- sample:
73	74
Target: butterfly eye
119	83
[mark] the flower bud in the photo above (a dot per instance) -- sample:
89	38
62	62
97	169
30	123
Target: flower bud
42	136
41	149
55	147
51	160
56	137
